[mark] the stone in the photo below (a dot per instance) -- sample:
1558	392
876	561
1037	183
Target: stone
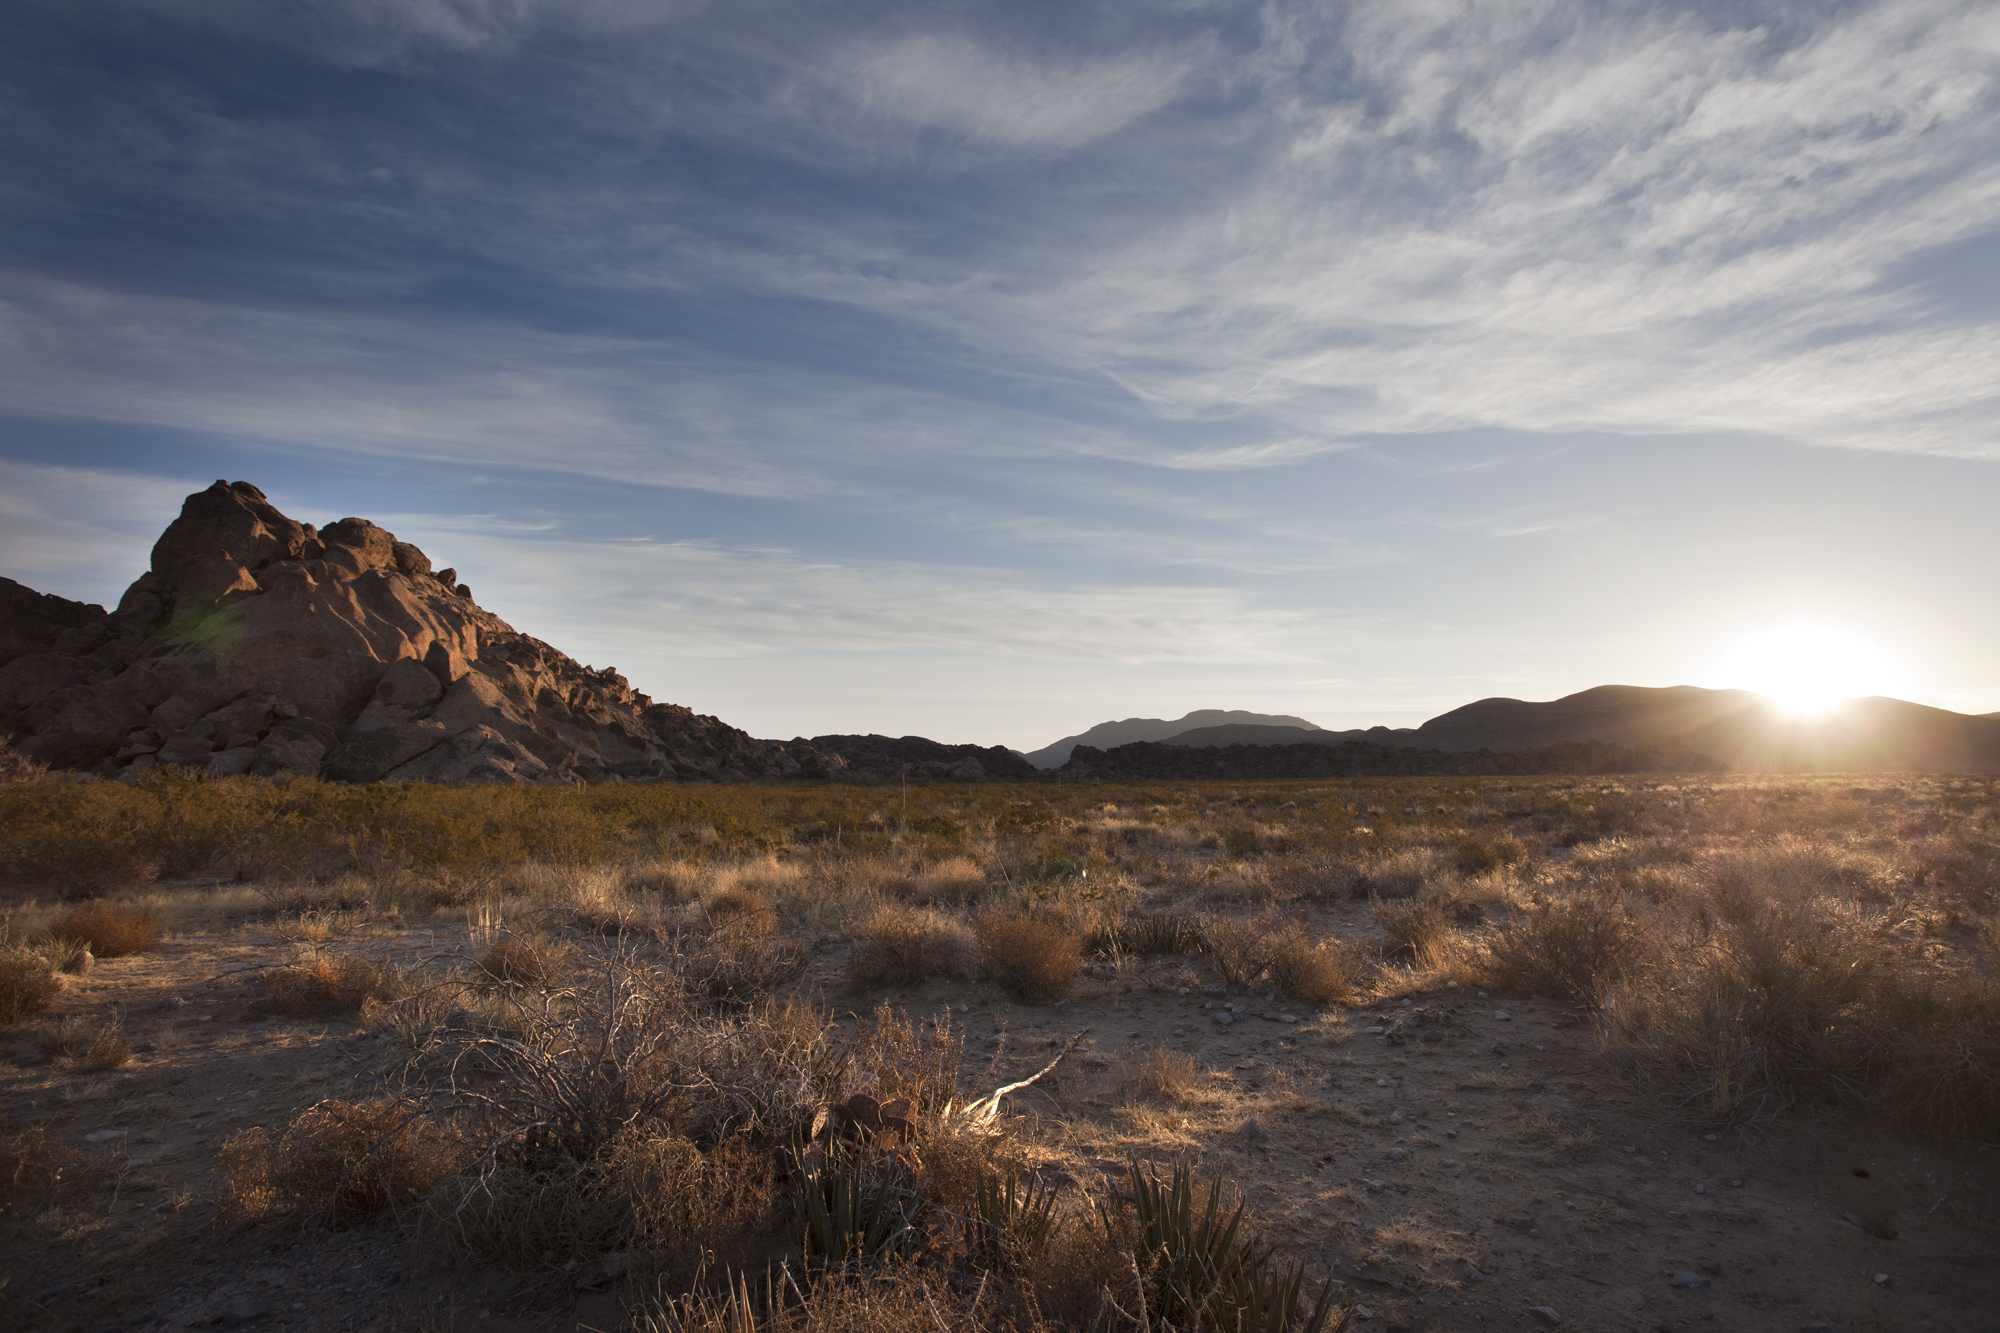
1502	1015
1688	1280
183	748
229	763
298	745
1253	1130
258	643
1397	1154
244	1309
1545	1313
1225	1018
1962	1260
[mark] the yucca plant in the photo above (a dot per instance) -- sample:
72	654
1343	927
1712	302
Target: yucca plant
1205	1273
1015	1218
851	1218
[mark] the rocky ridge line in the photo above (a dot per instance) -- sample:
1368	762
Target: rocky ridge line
259	644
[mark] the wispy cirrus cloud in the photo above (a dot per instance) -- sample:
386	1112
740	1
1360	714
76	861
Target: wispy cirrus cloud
1286	313
956	84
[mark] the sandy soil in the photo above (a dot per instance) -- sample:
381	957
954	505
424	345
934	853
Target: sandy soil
1459	1161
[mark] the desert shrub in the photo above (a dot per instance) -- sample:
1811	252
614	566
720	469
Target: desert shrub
1411	925
649	1193
1161	1074
102	1051
1402	874
892	1299
1575	947
1315	969
1236	950
322	985
898	946
1734	1024
337	1163
32	1166
1476	855
1939	1064
1038	959
742	909
110	929
956	880
27	985
734	966
525	958
1290	957
1200	1267
1159	933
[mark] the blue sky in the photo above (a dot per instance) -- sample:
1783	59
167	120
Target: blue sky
987	371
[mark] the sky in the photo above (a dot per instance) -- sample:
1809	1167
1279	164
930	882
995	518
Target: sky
986	371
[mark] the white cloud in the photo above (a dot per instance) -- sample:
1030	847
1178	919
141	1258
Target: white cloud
954	83
1561	217
82	533
704	600
611	407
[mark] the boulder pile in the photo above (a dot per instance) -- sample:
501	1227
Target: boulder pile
259	644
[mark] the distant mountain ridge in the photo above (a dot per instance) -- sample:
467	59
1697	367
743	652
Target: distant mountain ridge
1105	735
1727	729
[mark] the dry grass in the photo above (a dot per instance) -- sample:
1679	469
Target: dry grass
526	958
112	930
1288	957
1037	959
1576	948
32	1166
1413	926
322	985
955	881
338	1163
1164	1075
899	946
104	1051
742	909
27	985
1318	971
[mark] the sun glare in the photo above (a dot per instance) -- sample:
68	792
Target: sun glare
1807	668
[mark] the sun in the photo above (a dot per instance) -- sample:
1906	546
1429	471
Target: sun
1805	667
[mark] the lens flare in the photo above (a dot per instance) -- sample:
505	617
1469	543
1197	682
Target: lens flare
1806	667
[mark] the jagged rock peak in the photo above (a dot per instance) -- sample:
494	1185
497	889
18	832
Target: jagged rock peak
259	643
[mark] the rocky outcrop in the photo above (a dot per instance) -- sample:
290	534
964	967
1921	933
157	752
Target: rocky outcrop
259	644
1154	761
888	758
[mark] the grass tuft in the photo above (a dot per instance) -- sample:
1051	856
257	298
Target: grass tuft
323	985
900	946
112	930
27	985
1037	959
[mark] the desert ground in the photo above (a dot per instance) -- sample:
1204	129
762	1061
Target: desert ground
1611	1053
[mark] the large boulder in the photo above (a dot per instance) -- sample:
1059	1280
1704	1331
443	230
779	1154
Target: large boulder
257	643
